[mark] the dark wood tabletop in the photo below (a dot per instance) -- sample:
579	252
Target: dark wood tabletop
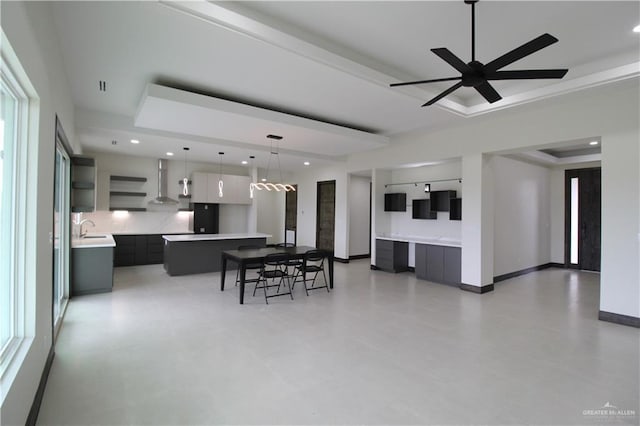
252	256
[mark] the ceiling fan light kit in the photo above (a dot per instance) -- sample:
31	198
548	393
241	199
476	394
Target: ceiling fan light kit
477	75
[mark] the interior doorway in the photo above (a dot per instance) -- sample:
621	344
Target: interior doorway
291	216
326	214
582	218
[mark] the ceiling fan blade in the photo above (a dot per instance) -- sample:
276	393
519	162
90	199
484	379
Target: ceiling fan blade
488	92
452	59
425	81
518	53
526	74
443	94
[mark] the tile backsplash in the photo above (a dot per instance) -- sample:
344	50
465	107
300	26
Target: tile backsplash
137	222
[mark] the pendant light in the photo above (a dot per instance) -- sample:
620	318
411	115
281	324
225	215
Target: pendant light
185	179
265	183
251	185
220	183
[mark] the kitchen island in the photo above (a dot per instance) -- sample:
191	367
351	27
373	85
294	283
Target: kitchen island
200	253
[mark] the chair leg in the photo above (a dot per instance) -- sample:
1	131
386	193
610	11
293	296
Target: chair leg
304	283
264	287
326	283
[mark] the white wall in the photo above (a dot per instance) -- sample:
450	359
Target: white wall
271	212
233	218
620	278
307	192
402	223
521	215
29	30
359	215
609	112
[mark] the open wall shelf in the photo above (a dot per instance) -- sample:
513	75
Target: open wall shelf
127	193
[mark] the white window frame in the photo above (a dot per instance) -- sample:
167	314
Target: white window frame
19	243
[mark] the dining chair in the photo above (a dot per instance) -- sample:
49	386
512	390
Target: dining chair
250	266
274	266
293	263
312	263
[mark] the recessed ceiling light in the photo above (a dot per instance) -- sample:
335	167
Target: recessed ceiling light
306	163
593	143
245	162
636	29
135	141
169	154
263	179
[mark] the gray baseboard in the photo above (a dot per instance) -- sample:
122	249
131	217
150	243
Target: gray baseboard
475	289
619	319
37	399
341	260
526	271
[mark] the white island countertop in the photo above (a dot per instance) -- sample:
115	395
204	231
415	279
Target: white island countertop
211	237
435	241
93	241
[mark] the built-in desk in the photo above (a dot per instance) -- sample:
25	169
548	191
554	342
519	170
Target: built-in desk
437	259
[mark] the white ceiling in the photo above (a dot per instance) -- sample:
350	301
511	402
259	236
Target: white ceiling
330	62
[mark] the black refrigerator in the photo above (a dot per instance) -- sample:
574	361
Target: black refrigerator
205	218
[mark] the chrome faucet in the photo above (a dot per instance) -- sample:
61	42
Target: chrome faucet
82	222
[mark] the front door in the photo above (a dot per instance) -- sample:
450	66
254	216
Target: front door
582	214
326	214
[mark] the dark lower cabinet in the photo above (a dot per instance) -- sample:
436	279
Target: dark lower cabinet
392	256
138	250
125	251
439	264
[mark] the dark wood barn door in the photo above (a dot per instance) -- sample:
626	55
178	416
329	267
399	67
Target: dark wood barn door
326	214
291	216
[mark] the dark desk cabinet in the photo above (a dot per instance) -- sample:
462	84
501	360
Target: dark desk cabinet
138	250
440	264
392	256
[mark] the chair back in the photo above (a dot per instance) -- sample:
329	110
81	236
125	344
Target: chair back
276	259
315	257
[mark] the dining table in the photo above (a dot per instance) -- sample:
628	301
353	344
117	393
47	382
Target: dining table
252	256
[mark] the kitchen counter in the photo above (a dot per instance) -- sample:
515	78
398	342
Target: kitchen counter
434	241
92	240
92	264
212	237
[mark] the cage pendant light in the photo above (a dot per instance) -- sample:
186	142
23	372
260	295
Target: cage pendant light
266	184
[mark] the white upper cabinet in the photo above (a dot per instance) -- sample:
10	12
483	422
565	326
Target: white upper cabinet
200	188
206	189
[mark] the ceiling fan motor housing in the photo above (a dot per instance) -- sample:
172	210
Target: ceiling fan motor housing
476	76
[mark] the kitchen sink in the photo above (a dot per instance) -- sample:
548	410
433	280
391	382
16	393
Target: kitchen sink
94	236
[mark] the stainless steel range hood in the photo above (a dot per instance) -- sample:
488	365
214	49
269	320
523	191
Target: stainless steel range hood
163	177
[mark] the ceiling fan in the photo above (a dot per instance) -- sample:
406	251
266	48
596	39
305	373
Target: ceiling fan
477	75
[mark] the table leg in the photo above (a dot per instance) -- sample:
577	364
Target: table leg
331	271
223	272
243	272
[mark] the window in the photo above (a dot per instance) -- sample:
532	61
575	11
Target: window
13	119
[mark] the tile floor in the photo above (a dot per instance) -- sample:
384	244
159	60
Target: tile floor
379	349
